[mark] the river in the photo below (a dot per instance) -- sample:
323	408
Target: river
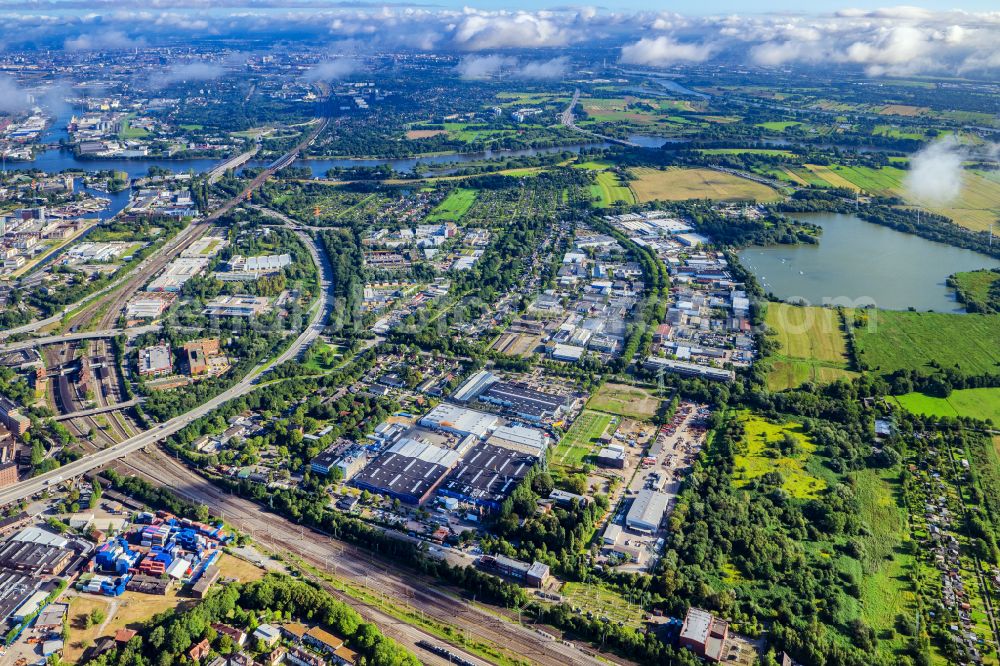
858	263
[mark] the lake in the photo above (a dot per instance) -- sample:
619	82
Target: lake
860	263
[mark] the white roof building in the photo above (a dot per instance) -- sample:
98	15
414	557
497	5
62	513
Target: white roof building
460	420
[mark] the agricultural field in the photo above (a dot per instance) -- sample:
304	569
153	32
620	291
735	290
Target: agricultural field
424	133
681	184
608	189
455	205
624	400
889	340
903	110
976	208
979	403
580	440
811	346
760	453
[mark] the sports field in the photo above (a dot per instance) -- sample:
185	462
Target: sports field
891	340
581	439
759	454
978	403
681	184
455	205
625	400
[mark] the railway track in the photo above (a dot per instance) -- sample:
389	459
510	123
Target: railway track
361	567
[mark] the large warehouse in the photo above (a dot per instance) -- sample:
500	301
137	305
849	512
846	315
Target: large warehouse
646	512
460	421
528	403
408	471
487	475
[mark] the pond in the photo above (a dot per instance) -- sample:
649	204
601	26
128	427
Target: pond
857	263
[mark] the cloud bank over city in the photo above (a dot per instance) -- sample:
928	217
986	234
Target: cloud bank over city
896	41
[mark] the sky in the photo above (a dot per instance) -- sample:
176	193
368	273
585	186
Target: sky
877	38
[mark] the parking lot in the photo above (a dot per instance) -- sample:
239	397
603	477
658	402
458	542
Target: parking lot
665	465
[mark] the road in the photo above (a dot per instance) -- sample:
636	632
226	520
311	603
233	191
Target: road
321	308
568	119
79	335
360	568
99	410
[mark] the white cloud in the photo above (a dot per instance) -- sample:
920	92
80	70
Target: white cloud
12	98
472	68
189	71
479	31
332	70
104	40
935	176
662	51
545	70
488	66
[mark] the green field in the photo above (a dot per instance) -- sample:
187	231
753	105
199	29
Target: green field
889	340
979	403
455	205
885	588
771	152
978	284
129	132
602	602
608	189
758	455
779	125
811	346
191	128
624	400
580	440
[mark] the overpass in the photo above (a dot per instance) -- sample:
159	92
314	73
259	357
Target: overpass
99	410
79	335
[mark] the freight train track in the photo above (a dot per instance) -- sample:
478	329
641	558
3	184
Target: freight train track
361	567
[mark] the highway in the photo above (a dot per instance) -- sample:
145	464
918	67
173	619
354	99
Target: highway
568	119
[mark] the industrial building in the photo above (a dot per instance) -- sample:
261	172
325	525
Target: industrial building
34	558
520	438
460	421
155	361
408	471
15	589
252	268
704	634
647	510
472	387
658	364
612	456
535	574
487	475
236	306
528	403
